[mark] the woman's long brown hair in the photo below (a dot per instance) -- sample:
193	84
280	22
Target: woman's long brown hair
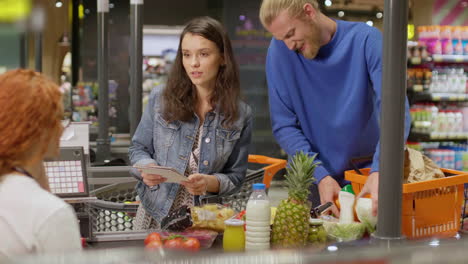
179	97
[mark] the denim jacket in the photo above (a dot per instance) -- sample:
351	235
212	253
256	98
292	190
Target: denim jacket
223	152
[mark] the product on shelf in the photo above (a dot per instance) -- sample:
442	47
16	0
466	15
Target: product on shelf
444	40
85	101
451	80
155	71
438	92
445	155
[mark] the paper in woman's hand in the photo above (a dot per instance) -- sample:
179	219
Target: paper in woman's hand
169	173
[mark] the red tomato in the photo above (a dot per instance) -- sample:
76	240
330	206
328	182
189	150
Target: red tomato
155	244
152	237
174	243
191	244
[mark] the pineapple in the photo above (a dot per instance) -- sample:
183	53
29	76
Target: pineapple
291	224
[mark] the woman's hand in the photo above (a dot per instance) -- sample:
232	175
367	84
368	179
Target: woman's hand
152	179
197	184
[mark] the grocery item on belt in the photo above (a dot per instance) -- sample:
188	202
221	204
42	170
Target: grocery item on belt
346	198
364	214
208	216
211	216
342	232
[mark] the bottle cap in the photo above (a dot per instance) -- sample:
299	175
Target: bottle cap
348	188
234	222
258	186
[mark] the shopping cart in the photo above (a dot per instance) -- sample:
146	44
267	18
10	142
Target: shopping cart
114	209
116	205
238	199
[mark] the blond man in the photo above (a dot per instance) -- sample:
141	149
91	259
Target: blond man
324	81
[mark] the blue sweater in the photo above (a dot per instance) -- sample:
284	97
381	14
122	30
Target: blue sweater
329	105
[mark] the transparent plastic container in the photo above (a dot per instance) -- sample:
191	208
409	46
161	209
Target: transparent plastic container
257	216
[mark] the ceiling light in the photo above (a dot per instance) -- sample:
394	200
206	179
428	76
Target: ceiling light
370	23
328	2
341	13
379	15
58	3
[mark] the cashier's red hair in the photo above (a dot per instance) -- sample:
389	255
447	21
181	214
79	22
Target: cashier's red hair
30	109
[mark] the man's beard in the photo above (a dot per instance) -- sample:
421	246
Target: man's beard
312	42
311	51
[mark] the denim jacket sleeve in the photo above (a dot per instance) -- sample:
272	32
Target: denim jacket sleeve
141	151
233	173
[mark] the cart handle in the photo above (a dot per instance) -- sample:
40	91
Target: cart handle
270	170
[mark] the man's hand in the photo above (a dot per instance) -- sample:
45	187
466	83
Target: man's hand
329	190
372	187
196	184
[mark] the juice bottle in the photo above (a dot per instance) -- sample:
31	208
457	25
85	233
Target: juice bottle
234	235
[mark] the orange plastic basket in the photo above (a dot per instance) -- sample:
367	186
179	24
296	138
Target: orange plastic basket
430	208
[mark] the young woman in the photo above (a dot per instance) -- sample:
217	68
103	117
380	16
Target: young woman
32	220
197	125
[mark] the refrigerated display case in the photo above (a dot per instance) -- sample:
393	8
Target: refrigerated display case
160	44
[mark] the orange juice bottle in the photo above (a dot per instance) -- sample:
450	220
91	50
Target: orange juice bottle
234	235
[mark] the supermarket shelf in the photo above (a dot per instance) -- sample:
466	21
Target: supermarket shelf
439	97
438	58
437	136
450	58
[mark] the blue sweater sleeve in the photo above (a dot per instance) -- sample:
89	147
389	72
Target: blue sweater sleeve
286	128
374	55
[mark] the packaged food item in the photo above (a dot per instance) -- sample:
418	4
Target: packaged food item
206	237
211	216
364	214
208	216
234	235
343	232
317	233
